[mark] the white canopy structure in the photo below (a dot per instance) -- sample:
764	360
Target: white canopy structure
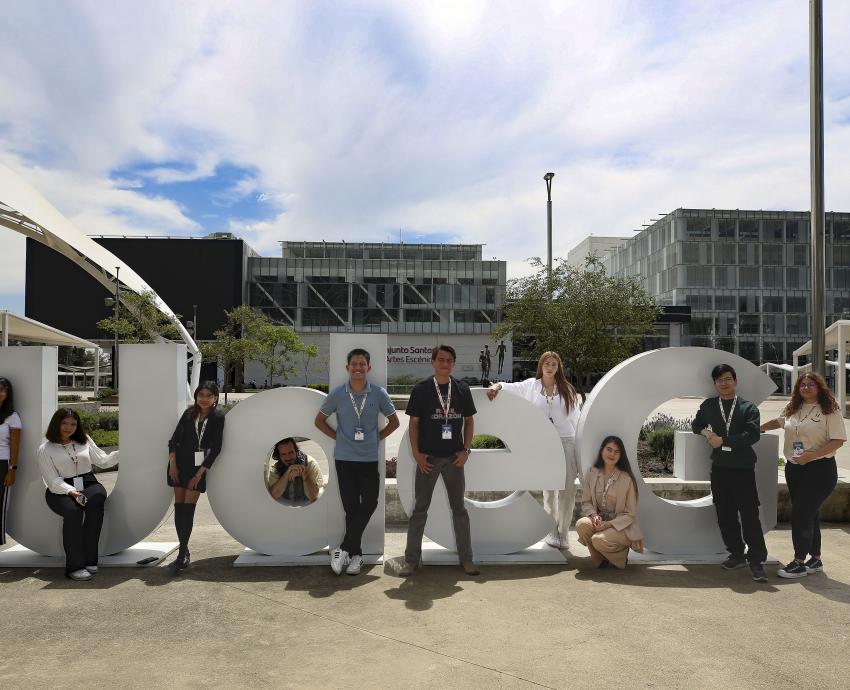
24	210
20	328
836	337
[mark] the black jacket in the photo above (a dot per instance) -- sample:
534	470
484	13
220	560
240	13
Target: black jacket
184	440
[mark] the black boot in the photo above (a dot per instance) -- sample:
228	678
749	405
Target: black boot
183	516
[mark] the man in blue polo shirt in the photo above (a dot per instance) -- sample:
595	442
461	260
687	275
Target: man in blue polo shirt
356	405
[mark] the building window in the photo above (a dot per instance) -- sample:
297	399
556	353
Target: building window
841	231
771	304
726	229
748	231
699	228
773	231
773	254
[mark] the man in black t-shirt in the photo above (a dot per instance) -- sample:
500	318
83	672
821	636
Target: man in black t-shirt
441	428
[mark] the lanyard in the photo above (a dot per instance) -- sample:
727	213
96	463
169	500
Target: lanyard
800	421
354	405
549	400
200	428
727	420
447	405
73	457
605	489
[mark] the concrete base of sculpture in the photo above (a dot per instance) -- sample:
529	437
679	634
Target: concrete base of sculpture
251	558
21	557
539	553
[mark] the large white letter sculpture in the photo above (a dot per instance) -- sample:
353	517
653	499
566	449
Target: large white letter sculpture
534	459
152	398
620	403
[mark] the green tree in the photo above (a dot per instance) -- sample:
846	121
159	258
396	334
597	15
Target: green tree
308	353
593	320
231	345
278	345
139	320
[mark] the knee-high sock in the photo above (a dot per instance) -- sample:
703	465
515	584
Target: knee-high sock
184	517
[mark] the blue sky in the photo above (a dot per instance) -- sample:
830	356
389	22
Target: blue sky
353	120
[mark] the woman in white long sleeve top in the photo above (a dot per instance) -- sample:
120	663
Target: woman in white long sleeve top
66	460
550	391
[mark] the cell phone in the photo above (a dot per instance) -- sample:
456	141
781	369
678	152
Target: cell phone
147	561
81	499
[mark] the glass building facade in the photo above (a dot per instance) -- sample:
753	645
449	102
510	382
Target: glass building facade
745	274
379	288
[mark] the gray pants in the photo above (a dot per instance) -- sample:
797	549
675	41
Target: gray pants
455	482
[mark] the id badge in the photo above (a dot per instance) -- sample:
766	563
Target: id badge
199	458
798	449
358	433
78	484
447	432
726	449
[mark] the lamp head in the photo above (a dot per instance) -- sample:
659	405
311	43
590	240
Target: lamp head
548	176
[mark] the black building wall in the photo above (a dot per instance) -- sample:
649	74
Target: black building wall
206	272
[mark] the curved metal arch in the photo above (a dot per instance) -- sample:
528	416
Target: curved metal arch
25	210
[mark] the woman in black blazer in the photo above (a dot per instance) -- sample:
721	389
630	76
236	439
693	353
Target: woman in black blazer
192	449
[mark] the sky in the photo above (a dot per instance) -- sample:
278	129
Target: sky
428	121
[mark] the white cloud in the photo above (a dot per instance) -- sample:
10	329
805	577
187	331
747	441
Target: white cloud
362	118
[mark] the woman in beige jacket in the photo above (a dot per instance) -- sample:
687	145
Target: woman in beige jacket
609	504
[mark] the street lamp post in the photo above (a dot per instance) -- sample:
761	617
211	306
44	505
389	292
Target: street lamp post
818	220
548	178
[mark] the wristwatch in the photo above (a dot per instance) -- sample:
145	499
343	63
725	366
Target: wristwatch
467	450
13	467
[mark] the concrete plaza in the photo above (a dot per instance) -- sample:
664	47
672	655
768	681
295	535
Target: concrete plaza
512	627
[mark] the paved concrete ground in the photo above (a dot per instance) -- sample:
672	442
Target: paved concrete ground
511	627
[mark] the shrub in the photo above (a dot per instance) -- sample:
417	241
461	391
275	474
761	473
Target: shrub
664	421
106	421
486	441
70	398
318	387
102	437
660	442
106	393
226	408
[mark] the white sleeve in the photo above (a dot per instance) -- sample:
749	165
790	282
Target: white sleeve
524	389
99	457
14	421
52	479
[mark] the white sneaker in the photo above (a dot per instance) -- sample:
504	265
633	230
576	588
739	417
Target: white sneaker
552	539
92	569
81	574
339	559
354	565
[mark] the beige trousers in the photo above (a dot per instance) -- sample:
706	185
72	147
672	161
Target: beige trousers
609	544
561	503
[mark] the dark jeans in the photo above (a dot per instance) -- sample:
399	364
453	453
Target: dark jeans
809	486
80	526
455	482
4	499
734	492
359	484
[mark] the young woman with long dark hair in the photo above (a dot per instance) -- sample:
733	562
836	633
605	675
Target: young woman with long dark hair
609	504
192	450
550	392
814	430
65	459
10	443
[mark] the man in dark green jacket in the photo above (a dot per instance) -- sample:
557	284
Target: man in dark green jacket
730	426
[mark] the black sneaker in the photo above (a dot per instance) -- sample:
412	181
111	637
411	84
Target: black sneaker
757	569
814	565
793	570
733	563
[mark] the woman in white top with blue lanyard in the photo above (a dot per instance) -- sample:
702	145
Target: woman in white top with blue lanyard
10	443
550	391
73	492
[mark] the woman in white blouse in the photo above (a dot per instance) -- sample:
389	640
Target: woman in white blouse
10	443
814	430
550	391
66	460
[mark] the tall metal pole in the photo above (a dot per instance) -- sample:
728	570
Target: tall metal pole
115	355
818	220
548	178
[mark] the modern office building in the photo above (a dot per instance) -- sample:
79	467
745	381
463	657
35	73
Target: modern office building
745	275
418	294
595	245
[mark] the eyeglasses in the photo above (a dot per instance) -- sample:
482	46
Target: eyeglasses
808	385
725	380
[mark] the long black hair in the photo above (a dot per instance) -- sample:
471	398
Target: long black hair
280	467
622	464
54	432
8	406
212	387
